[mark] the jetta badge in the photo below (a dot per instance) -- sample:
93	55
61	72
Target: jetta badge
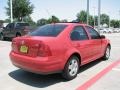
22	42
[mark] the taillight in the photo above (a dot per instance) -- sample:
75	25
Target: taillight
26	31
14	45
44	50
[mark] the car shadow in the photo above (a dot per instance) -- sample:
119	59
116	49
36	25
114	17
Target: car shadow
90	65
36	80
42	81
8	39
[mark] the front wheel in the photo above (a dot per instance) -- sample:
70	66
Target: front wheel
107	53
71	68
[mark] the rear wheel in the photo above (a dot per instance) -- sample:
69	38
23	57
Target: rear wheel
107	53
71	68
18	35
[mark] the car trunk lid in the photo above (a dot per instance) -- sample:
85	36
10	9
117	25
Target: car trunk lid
30	46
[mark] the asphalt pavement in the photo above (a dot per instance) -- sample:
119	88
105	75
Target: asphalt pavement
98	75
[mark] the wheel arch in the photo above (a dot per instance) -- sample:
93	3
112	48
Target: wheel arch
78	55
73	54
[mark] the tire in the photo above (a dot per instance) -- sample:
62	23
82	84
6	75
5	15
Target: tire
18	35
1	37
107	53
71	68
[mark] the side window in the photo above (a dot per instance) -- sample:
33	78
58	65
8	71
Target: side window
10	26
21	25
93	33
7	27
79	33
17	26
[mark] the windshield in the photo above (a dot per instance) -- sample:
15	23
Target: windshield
48	30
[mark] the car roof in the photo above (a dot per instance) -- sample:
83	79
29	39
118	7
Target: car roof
71	23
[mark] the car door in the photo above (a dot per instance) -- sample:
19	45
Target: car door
81	42
13	30
95	43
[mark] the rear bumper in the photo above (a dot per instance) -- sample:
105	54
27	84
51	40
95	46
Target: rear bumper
40	65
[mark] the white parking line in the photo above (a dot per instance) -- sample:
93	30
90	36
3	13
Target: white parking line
116	69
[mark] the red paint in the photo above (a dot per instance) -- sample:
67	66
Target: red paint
93	80
50	53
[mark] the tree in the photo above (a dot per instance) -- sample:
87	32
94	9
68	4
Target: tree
115	23
82	17
53	19
7	20
96	20
29	20
91	20
104	19
42	21
21	8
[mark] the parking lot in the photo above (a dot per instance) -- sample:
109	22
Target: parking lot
98	75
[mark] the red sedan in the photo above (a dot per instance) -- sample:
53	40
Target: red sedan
59	47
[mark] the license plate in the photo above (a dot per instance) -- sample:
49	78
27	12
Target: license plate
24	49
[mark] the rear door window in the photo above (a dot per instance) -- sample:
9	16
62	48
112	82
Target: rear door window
48	30
10	26
79	33
21	25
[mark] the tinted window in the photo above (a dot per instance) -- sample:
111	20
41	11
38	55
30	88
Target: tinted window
79	34
10	26
93	33
49	30
21	25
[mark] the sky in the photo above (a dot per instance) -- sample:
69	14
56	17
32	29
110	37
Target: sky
67	9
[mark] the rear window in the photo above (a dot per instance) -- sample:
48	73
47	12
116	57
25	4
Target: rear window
48	30
22	24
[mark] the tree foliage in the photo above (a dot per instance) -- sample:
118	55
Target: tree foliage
104	19
42	21
115	23
53	19
82	17
29	20
91	20
21	8
96	20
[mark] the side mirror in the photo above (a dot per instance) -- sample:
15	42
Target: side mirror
102	37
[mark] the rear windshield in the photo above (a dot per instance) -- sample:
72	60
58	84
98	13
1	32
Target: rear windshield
22	24
48	30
